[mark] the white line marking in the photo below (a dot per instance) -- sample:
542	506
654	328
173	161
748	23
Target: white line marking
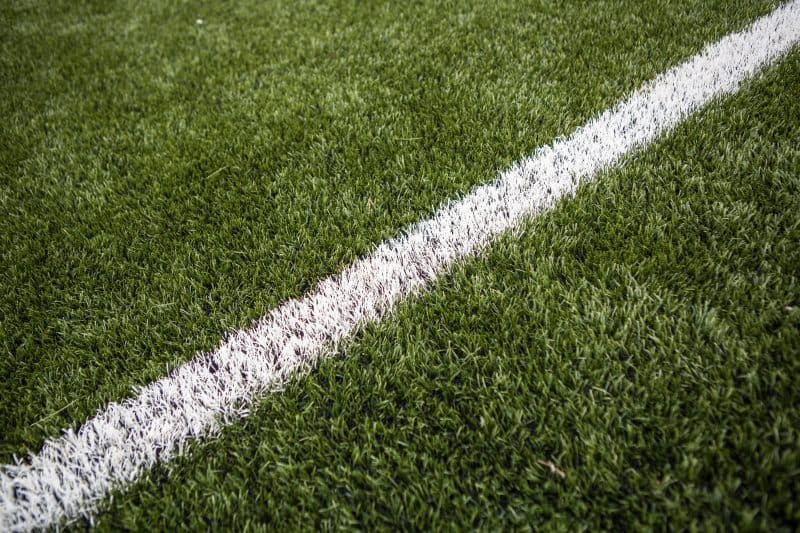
71	474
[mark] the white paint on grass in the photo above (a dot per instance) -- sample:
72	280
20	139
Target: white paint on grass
71	474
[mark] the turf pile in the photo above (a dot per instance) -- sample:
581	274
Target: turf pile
162	182
643	339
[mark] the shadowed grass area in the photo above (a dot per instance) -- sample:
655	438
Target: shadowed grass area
628	361
164	181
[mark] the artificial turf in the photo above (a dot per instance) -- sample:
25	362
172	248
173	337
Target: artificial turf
643	339
163	181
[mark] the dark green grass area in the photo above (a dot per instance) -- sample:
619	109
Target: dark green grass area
643	338
162	182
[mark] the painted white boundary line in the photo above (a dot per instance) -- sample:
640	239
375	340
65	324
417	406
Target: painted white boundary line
71	474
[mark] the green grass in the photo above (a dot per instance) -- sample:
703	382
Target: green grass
163	182
643	338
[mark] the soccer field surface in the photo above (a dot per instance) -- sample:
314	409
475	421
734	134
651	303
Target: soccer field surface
627	358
